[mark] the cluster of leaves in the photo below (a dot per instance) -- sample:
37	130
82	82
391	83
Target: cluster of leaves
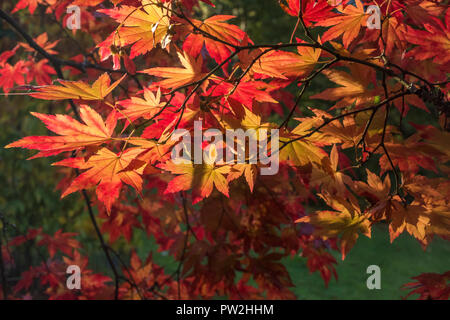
227	226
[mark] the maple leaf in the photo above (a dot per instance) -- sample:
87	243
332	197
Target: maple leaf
199	177
375	187
413	153
305	61
430	210
5	55
153	151
26	279
120	221
31	4
140	273
347	222
144	275
60	241
144	27
304	151
430	286
300	152
216	27
250	171
412	219
353	87
40	72
42	41
322	261
282	64
145	108
177	77
350	130
312	10
78	89
92	284
107	171
72	134
347	23
433	43
377	192
394	35
327	174
243	118
439	215
31	235
12	74
245	93
421	12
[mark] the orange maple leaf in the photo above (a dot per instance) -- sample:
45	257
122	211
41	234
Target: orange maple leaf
146	108
215	26
347	23
144	27
347	221
433	42
72	134
353	87
42	41
281	64
304	151
201	178
78	89
60	241
108	170
250	171
177	77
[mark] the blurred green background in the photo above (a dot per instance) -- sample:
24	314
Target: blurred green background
28	198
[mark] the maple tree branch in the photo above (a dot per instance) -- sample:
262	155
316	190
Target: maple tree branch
297	101
337	56
328	121
362	140
295	30
130	280
247	70
27	37
322	47
307	82
185	245
404	71
198	84
316	45
271	47
302	22
383	138
102	243
282	45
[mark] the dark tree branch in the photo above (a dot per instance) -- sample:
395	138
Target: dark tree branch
2	266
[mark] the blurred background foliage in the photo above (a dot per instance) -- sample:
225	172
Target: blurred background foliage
29	198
